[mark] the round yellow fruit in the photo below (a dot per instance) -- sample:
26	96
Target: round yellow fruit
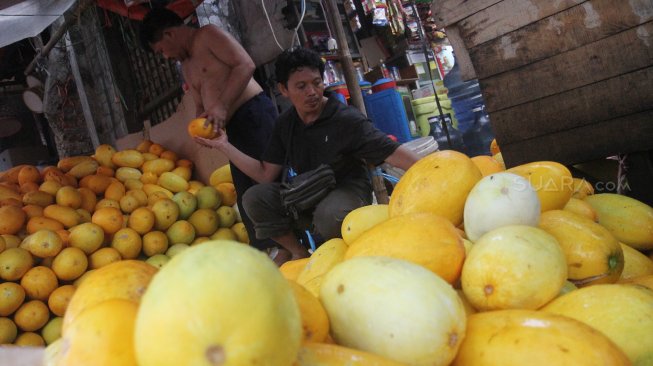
29	339
102	335
122	280
241	232
39	282
181	232
60	298
228	193
32	315
395	309
87	237
14	262
52	330
155	242
103	257
221	175
527	337
141	220
205	221
12	296
127	242
43	243
514	267
438	183
622	312
8	331
242	310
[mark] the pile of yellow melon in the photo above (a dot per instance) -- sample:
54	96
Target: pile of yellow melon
468	264
58	224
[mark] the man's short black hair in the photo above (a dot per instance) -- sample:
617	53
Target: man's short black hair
155	22
294	58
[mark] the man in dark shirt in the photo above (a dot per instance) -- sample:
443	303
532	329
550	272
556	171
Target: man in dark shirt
324	131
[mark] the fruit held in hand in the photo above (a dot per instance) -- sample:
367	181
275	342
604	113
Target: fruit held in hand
199	128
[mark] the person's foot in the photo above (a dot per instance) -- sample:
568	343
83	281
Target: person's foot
280	255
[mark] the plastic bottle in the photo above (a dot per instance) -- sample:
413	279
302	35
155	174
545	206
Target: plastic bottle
384	70
330	73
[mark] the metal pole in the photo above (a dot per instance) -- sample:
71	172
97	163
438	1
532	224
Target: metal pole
354	91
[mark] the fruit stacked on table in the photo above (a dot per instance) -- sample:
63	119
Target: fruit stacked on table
61	223
468	264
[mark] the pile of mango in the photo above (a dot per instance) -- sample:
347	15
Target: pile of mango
59	224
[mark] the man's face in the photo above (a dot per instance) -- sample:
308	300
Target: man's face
305	90
167	47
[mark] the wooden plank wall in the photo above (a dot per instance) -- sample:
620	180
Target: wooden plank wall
564	80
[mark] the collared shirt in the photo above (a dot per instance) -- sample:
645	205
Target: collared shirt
341	136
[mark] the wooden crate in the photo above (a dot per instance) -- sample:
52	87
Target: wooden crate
563	80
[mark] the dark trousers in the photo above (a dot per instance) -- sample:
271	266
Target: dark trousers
263	205
249	130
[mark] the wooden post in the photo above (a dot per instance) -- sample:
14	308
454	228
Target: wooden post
354	89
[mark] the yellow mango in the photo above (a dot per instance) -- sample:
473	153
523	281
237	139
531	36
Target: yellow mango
362	219
438	183
172	182
322	260
128	158
593	254
103	155
84	168
150	189
552	181
68	216
66	164
534	338
628	219
158	166
125	173
38	198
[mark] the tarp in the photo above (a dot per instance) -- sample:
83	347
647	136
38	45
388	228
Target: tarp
29	18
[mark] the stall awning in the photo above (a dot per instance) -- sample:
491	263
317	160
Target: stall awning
28	18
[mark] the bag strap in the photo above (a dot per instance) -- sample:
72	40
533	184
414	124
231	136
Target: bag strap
286	160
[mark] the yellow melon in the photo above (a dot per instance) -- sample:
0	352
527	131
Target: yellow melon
422	238
221	175
582	208
552	181
582	188
593	254
291	269
628	219
126	279
636	264
438	183
128	158
487	165
514	267
315	323
362	219
12	219
527	337
622	312
395	309
321	354
102	334
321	261
242	310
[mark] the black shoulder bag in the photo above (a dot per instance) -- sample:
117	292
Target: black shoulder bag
304	191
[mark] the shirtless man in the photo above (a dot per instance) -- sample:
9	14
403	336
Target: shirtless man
219	75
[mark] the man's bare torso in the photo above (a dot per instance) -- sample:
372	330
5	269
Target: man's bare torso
206	76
